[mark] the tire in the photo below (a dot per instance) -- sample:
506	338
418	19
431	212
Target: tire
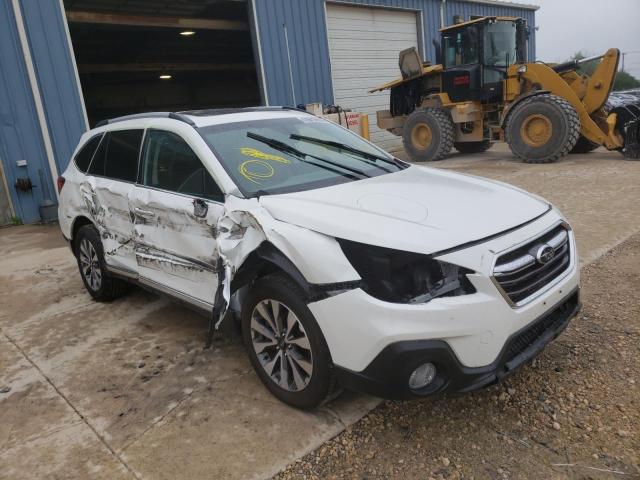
428	134
314	381
473	147
100	285
542	129
584	145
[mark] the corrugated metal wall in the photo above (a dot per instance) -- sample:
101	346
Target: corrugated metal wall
308	49
20	134
307	31
54	66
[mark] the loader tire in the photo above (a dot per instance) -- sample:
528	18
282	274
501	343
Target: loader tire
542	129
584	145
428	134
473	147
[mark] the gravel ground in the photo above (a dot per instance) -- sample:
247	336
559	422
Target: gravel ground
572	413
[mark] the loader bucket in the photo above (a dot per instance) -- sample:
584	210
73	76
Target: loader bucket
627	107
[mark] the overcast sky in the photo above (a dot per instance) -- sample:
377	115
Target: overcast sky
590	26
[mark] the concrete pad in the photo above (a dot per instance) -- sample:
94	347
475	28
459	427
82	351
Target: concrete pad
125	389
40	434
134	368
231	429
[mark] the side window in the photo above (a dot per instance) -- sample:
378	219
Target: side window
170	164
117	156
84	156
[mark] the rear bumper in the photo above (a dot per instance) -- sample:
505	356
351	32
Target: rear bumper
388	374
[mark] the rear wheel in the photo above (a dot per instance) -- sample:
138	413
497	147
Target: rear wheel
90	255
542	129
285	344
473	147
428	134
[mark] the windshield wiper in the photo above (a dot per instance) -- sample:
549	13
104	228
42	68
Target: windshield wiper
286	148
347	148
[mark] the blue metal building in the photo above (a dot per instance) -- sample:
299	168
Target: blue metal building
298	51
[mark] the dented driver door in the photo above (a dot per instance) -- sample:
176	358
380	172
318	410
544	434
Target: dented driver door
175	210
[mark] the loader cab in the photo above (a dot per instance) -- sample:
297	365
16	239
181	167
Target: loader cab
476	54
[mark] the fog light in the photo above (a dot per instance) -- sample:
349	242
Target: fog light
422	376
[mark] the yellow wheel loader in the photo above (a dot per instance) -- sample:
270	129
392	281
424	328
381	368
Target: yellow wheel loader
483	90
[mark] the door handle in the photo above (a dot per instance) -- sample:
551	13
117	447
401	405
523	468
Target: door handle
143	213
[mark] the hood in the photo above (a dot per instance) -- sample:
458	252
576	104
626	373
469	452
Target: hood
418	209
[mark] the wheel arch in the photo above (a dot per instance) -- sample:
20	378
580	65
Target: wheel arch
263	261
78	222
268	259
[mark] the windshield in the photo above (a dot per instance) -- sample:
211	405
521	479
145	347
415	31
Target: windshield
500	44
293	154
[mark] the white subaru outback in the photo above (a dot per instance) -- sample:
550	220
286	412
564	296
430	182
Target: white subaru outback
344	265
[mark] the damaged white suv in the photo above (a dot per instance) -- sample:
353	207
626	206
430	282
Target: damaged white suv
345	265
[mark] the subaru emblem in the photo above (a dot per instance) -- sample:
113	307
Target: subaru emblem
545	254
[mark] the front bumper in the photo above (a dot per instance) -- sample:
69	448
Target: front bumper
388	374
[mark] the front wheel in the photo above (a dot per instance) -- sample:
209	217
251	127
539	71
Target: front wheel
285	344
542	129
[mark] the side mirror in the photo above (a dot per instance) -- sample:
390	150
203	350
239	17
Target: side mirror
200	208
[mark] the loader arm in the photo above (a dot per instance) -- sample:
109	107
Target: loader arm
601	81
545	78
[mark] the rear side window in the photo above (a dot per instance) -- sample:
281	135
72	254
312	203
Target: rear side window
170	164
117	156
84	156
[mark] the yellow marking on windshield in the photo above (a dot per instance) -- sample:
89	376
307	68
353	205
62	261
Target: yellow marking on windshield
248	170
251	169
252	152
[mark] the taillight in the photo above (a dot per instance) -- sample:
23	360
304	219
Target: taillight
60	182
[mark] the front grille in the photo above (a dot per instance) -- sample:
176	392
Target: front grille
522	272
528	337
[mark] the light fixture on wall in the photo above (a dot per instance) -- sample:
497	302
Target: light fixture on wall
187	33
165	77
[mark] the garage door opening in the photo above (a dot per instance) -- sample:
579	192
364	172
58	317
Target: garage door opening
155	55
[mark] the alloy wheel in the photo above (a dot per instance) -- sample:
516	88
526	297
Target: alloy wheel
90	265
281	345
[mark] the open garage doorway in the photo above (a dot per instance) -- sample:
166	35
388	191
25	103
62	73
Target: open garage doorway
162	55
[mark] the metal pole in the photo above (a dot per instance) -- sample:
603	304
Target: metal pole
286	41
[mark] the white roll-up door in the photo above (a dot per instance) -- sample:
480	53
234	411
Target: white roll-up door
364	44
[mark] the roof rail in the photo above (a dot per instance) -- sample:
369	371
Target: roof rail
224	111
135	116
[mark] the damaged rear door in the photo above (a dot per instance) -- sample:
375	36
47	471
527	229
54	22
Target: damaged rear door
176	206
106	191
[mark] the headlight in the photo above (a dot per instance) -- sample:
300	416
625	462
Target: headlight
404	277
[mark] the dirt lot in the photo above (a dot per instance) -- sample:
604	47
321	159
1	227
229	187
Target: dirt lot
573	413
125	390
